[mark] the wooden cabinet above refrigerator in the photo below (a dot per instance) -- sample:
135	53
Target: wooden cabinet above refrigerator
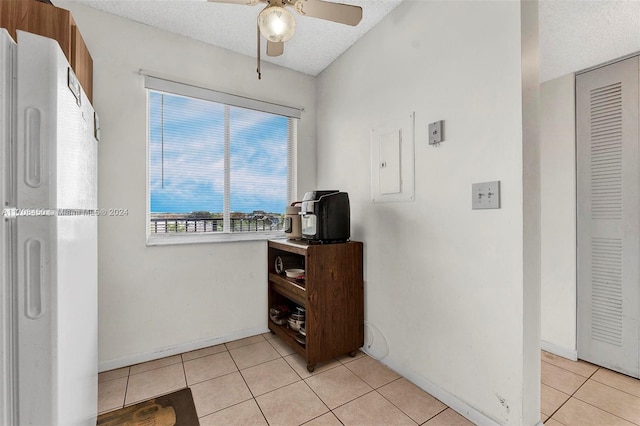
53	22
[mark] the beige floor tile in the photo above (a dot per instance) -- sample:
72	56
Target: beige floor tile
268	335
271	371
269	376
372	371
551	399
328	419
280	346
561	379
610	400
246	413
162	362
338	386
583	368
219	393
244	342
412	400
158	381
300	365
111	394
449	418
294	404
209	367
113	374
578	413
211	350
371	410
618	381
253	354
344	359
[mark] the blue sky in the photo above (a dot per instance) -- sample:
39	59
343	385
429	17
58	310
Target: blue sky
193	166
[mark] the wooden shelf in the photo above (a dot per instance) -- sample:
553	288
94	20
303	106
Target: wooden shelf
332	295
289	289
297	247
287	335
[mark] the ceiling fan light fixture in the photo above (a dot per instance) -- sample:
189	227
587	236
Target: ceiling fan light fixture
276	24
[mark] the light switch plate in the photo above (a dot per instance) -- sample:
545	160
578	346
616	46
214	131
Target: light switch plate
485	195
435	132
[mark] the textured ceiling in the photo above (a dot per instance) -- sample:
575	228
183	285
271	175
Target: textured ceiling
574	34
316	44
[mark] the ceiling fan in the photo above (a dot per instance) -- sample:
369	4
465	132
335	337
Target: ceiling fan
278	25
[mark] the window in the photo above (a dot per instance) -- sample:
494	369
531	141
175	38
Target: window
217	170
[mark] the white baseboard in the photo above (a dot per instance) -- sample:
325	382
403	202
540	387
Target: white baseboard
178	349
452	401
445	397
571	354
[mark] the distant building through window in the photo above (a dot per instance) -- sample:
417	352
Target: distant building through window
216	168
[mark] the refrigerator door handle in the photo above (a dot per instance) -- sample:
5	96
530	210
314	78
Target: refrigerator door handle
33	152
34	255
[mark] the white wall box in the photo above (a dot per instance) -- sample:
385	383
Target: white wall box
392	161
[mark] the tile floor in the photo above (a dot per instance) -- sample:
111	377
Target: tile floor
579	393
261	381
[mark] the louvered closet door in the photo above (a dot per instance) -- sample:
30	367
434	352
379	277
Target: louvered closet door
608	216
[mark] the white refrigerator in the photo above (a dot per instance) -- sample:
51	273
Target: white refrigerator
48	238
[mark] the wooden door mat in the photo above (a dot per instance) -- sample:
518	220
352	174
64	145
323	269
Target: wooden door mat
174	409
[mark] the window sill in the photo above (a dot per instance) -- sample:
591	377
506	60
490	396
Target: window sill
177	239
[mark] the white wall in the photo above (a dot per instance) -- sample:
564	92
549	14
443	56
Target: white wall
531	205
558	192
154	301
445	285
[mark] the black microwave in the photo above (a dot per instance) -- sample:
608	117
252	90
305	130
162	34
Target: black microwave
326	216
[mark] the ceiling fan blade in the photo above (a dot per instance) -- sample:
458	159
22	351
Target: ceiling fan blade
275	49
336	12
245	2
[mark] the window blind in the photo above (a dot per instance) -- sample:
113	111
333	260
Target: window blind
216	167
164	85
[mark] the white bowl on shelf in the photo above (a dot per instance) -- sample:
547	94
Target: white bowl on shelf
295	324
294	273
